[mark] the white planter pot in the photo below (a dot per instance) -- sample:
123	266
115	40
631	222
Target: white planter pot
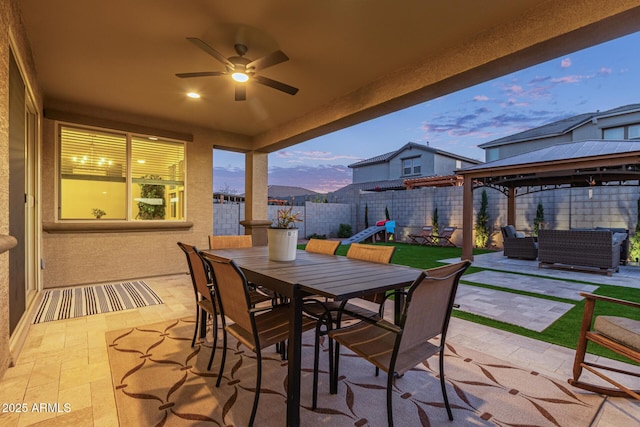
282	243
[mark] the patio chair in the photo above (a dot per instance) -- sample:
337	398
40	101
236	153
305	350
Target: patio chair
618	334
398	348
326	313
516	245
205	300
424	238
321	246
254	328
240	241
226	242
444	237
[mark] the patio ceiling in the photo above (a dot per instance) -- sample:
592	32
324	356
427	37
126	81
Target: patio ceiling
352	60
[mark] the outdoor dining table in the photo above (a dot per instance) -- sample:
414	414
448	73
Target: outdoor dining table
335	277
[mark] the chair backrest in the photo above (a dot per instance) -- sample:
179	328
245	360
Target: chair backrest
227	242
373	253
321	246
197	270
447	231
429	304
508	232
427	231
232	290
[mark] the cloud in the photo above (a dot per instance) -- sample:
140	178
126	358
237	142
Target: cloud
604	71
565	63
323	179
298	156
481	98
569	79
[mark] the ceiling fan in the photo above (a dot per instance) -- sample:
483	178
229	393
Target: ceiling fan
242	69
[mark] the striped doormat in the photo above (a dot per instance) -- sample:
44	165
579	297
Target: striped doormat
59	304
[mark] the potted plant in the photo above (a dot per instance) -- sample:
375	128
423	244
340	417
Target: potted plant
98	213
283	236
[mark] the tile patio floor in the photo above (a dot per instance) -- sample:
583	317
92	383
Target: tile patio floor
66	361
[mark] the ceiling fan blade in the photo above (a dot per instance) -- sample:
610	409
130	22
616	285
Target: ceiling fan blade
267	61
211	51
241	92
200	74
276	85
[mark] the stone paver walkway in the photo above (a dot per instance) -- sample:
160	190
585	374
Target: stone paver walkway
529	312
538	285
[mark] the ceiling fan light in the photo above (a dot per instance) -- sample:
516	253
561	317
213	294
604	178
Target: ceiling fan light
240	77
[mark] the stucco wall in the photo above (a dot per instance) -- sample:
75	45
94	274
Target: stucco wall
11	31
4	188
78	258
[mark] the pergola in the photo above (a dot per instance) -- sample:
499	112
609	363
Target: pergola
577	164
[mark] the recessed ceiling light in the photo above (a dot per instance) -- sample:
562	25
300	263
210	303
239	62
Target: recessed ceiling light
193	95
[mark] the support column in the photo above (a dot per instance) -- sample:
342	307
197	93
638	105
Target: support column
467	219
511	207
255	203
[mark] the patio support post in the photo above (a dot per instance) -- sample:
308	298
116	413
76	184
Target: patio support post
511	206
255	206
467	218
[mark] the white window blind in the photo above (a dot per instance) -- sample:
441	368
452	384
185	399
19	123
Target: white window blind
92	155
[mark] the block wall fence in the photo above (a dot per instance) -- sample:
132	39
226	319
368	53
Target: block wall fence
564	209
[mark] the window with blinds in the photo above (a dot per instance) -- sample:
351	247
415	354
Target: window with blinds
111	175
157	171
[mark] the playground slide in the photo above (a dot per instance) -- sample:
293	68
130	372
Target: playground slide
367	232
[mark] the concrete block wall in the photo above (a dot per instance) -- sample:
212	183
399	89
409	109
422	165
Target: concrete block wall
325	218
565	208
319	218
227	219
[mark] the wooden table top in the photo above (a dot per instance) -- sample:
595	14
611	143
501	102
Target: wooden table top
332	276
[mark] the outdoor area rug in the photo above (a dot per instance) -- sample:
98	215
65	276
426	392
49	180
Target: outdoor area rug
159	379
67	303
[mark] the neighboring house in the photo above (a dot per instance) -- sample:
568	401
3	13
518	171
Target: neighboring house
292	195
615	124
388	171
277	194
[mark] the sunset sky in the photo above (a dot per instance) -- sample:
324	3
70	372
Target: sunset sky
599	78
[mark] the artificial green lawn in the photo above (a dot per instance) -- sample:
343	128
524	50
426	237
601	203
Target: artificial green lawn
563	332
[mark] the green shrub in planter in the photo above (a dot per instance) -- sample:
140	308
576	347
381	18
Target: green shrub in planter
345	231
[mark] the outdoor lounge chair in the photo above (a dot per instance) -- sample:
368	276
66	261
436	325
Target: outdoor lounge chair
396	349
516	245
444	237
618	334
425	238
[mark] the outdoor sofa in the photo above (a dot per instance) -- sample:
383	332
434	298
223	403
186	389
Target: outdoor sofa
591	250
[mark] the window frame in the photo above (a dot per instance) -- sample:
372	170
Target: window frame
414	165
129	219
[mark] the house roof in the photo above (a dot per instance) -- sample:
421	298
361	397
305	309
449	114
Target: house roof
383	158
278	191
559	127
392	184
570	163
